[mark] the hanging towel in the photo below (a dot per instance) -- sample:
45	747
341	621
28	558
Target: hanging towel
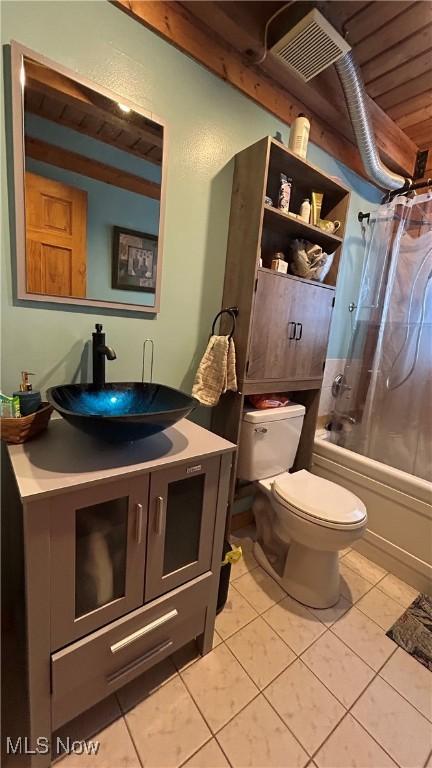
216	372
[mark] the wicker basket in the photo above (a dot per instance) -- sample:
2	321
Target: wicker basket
26	427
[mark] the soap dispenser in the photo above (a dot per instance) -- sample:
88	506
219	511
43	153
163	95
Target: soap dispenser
29	401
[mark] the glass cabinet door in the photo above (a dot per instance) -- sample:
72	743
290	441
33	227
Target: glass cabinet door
98	556
182	513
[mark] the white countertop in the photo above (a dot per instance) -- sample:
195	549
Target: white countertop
64	458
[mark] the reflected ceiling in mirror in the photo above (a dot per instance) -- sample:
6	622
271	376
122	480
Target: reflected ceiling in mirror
92	178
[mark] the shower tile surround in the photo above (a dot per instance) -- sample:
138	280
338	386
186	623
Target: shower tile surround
299	709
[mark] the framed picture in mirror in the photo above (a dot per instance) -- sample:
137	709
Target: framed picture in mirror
89	173
134	260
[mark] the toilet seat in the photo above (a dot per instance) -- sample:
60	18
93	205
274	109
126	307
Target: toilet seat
318	500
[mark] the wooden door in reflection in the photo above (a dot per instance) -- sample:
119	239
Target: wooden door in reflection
56	237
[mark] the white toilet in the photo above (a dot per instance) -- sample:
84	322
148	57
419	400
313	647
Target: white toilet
302	520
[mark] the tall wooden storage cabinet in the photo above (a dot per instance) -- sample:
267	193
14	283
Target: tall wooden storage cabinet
283	321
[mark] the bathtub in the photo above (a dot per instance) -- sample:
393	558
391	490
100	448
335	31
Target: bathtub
399	532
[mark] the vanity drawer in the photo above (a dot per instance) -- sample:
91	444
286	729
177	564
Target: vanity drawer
92	668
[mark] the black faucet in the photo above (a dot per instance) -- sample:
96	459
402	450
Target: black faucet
100	352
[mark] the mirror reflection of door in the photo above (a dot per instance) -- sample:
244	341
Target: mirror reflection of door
56	237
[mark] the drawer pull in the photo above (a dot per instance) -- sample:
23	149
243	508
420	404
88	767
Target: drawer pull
139	523
116	647
134	664
159	515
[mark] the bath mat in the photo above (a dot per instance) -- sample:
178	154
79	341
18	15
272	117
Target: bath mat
413	630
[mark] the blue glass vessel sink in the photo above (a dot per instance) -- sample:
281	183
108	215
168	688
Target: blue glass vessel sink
120	412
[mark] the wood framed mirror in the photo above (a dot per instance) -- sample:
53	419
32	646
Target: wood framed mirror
89	178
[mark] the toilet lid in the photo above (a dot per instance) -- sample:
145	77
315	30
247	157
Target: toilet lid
318	498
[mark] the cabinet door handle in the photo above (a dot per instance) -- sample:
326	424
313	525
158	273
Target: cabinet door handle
116	676
292	331
139	523
144	631
299	334
159	515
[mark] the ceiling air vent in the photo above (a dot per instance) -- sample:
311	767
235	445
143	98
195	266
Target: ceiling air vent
310	46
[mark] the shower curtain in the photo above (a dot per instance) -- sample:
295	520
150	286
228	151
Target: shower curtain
384	408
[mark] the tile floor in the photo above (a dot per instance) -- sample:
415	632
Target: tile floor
283	687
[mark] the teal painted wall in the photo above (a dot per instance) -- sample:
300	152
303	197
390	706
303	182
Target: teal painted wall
208	122
107	206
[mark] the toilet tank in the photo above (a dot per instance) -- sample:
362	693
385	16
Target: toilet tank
268	441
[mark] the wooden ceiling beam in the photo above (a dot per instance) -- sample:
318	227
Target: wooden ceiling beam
121	142
173	22
86	166
241	30
240	25
46	81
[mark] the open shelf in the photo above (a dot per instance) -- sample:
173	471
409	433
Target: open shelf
282	159
287	224
294	277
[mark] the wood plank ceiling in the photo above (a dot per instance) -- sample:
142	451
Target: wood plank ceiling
228	39
62	100
393	45
392	42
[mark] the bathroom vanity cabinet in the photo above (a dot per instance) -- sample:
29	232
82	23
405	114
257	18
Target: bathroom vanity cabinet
121	558
283	321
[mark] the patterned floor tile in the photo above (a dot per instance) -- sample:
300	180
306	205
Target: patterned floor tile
296	625
167	727
116	750
411	679
328	616
364	637
306	706
338	668
350	745
353	586
260	651
236	613
209	756
257	738
219	685
259	589
398	590
380	607
402	731
363	566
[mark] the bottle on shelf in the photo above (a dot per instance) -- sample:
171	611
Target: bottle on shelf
305	211
284	193
299	135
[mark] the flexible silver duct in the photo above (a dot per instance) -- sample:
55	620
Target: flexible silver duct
355	97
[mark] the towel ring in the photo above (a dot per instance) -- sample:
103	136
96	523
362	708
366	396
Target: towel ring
233	312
